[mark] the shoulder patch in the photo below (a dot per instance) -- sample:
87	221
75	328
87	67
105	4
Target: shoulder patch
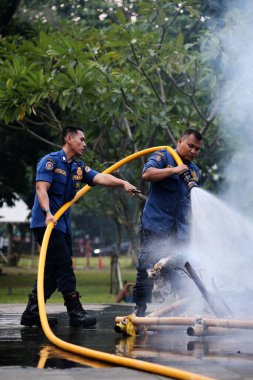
158	157
49	165
51	160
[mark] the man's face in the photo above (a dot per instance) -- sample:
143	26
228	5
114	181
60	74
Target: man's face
77	143
188	147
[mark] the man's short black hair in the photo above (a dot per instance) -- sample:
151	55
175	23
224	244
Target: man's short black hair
69	130
190	131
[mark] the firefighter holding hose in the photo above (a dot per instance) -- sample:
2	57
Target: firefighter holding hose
59	176
165	219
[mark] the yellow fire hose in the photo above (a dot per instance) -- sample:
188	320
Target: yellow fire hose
98	355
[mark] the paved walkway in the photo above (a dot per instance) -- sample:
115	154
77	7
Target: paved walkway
11	373
26	353
21	345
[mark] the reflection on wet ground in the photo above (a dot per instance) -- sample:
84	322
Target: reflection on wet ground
224	356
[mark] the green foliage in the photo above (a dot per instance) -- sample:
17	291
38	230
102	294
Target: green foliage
133	78
18	158
111	71
93	284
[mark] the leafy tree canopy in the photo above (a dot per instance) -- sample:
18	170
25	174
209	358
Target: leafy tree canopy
132	73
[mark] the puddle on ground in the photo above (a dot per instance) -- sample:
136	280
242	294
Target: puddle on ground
224	356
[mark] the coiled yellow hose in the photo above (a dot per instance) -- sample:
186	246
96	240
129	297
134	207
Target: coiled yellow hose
98	355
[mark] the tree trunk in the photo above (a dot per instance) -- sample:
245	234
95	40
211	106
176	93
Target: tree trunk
10	243
116	281
7	10
12	257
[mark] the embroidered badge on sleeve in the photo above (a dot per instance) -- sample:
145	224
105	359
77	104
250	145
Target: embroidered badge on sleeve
49	166
158	156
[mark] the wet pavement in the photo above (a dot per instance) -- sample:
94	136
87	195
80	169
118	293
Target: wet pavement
26	353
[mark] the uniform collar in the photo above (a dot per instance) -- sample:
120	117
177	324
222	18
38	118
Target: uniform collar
63	156
64	159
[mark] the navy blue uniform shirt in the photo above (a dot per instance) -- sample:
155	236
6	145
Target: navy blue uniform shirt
65	180
168	201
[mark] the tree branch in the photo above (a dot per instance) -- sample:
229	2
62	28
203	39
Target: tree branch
207	120
42	139
165	27
143	72
129	132
25	129
57	121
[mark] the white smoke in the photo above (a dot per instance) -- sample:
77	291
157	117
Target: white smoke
222	238
236	101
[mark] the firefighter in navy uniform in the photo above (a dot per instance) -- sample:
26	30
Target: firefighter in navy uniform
165	219
59	176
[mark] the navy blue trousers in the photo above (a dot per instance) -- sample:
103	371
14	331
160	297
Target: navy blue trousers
153	247
59	274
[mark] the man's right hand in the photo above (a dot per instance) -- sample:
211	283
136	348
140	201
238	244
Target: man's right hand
180	168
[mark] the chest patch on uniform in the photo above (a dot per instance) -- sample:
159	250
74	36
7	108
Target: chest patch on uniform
77	177
194	176
87	169
60	171
79	171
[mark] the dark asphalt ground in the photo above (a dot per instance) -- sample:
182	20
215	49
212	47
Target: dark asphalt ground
26	353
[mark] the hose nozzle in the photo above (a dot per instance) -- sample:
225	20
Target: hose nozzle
192	184
186	176
120	327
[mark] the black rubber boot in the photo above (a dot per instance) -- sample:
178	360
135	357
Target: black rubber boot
77	315
140	310
141	296
30	316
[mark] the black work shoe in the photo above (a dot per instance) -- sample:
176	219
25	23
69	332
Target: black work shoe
77	315
30	316
84	320
28	320
140	310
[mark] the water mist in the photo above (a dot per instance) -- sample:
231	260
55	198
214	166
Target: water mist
221	244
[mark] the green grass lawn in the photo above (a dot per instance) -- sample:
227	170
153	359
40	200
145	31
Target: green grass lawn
92	283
